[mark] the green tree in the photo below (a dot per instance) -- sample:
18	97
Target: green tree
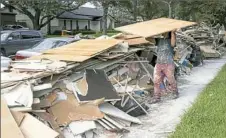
41	12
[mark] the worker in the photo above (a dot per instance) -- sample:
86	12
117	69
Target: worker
165	65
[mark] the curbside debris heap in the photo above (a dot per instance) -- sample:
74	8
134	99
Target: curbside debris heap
96	87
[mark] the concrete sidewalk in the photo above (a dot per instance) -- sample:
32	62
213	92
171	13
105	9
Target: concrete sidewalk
164	116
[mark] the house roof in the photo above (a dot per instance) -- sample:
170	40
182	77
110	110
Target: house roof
84	13
71	15
89	11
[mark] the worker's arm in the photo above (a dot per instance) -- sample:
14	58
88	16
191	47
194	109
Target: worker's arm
173	38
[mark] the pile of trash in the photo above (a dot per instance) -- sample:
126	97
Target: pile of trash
88	89
101	96
210	39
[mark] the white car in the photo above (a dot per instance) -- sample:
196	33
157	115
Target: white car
46	44
5	63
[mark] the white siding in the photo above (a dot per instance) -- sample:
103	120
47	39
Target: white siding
68	24
74	24
55	22
82	24
95	25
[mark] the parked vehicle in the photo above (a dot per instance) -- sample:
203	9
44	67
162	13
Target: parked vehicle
13	27
15	40
5	63
46	44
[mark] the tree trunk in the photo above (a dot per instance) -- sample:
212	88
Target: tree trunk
105	7
170	10
135	10
36	25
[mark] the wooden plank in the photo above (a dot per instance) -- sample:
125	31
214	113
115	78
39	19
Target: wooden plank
93	46
78	51
154	27
33	128
61	57
9	128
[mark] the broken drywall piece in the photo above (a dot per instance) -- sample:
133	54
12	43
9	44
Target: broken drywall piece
43	104
52	97
99	87
61	96
89	134
36	100
33	128
42	87
20	95
69	110
9	127
82	86
122	122
113	111
38	94
18	116
67	133
79	127
52	122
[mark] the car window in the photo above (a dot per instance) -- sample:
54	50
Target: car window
48	44
15	35
30	35
59	43
4	36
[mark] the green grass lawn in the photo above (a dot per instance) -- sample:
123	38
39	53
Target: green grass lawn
207	116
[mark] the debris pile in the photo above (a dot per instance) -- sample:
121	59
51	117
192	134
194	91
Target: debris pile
88	89
100	91
209	39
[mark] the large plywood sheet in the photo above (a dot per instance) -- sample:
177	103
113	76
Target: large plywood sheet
9	127
154	27
78	51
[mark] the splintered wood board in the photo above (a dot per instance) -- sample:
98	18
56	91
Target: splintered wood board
60	57
85	47
9	127
154	27
78	51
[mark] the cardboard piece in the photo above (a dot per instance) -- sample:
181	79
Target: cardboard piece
9	128
69	110
154	27
33	128
99	86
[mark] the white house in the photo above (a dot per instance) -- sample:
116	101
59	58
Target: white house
84	18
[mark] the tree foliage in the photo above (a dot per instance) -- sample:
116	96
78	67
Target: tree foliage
41	12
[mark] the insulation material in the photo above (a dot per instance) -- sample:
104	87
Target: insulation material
9	128
155	27
99	87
